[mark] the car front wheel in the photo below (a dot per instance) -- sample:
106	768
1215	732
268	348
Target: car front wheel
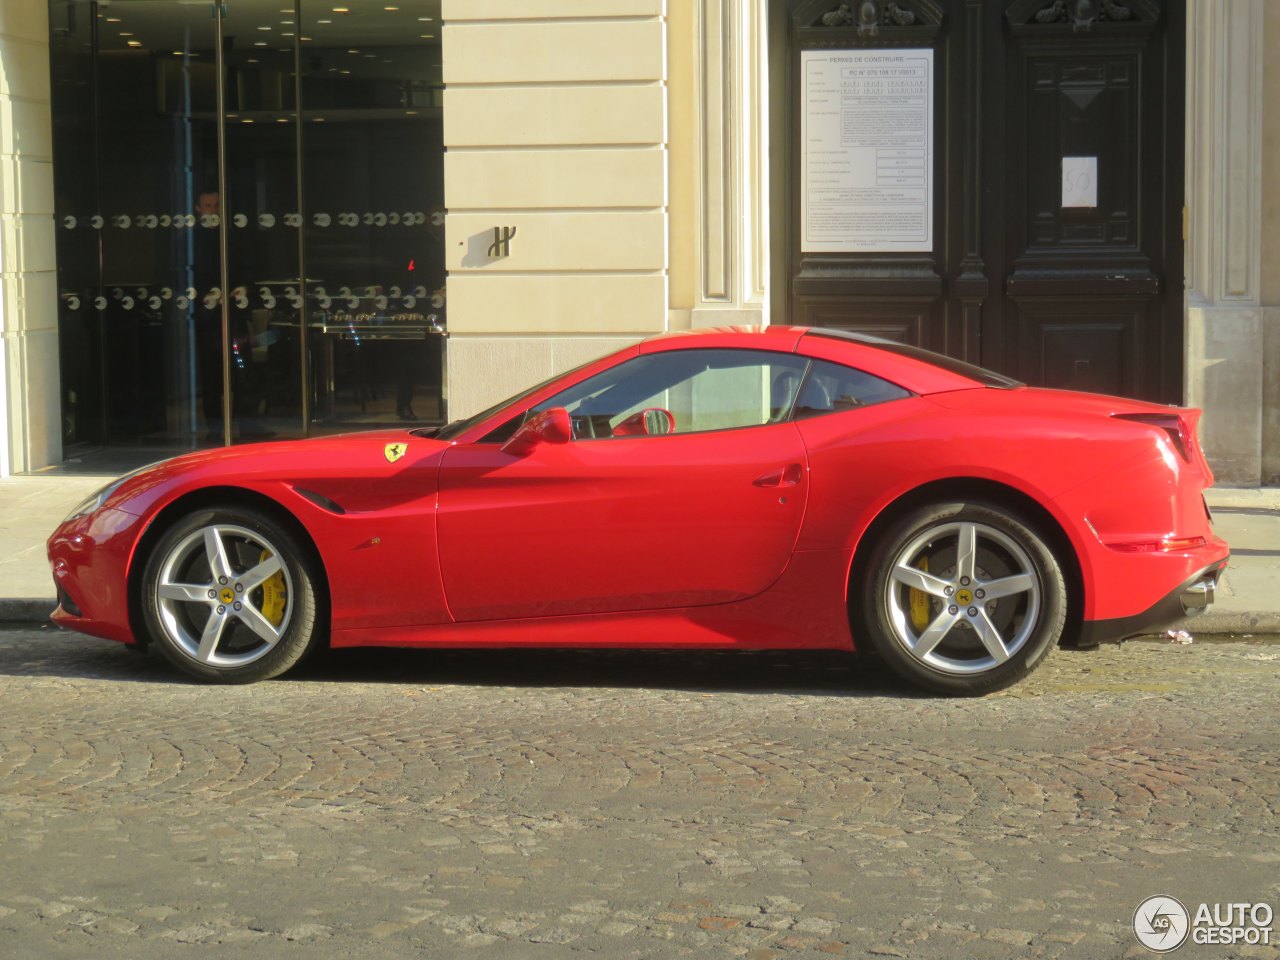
963	598
229	595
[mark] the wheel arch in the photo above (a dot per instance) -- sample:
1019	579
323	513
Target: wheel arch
990	491
202	498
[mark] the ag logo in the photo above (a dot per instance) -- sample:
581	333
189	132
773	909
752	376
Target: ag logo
394	451
1161	924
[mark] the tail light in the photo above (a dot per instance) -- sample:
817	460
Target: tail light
1164	545
1171	423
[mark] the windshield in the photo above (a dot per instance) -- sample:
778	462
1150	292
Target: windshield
459	427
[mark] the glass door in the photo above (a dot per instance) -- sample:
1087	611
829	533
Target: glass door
263	300
373	171
135	160
242	255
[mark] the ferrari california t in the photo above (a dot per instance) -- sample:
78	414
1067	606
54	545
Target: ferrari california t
739	488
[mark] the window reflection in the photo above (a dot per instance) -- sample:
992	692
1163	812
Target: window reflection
328	309
697	390
374	149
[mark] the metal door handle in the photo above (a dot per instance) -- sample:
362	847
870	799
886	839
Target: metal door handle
787	476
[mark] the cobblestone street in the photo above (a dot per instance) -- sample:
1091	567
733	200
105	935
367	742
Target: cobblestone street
554	805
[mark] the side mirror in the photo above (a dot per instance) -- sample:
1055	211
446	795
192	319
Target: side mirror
550	426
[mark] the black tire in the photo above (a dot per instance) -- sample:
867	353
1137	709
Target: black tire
934	619
252	619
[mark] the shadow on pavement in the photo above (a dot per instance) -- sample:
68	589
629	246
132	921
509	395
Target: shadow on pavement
49	652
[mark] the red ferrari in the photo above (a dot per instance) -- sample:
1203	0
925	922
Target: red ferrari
740	488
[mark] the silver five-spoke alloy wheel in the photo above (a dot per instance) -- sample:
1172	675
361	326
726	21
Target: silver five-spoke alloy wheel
217	611
229	593
960	597
965	601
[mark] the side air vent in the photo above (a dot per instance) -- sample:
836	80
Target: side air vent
67	604
320	500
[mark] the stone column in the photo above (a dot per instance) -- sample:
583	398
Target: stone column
30	401
732	103
1225	348
1271	249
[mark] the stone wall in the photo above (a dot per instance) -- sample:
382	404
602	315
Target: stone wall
556	127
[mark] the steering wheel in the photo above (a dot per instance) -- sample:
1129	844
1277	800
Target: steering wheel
649	422
584	427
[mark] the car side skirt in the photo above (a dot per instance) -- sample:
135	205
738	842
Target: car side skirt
804	609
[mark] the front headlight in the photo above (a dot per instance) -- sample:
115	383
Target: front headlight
95	500
91	503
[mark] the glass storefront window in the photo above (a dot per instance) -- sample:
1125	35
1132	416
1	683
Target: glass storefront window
374	149
242	255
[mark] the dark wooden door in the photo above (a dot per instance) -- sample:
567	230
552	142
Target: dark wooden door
1055	187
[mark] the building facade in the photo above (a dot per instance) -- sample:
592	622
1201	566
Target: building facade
283	218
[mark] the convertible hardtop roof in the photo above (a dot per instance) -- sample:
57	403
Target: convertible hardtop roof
982	375
778	336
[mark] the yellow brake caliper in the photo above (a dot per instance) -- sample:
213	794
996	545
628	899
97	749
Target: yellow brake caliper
273	594
919	600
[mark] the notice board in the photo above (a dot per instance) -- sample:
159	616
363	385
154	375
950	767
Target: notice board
866	154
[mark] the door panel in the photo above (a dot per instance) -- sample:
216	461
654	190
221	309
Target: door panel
904	321
1086	305
1080	104
596	526
1094	345
1081	291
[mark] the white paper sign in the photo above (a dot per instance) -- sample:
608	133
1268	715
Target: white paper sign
1079	181
866	153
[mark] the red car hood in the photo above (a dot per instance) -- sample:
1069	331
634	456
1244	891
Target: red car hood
356	466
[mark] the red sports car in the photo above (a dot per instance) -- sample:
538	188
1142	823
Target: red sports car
740	488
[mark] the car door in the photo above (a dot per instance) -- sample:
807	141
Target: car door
626	516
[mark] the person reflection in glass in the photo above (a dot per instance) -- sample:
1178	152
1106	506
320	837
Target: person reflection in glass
208	305
206	277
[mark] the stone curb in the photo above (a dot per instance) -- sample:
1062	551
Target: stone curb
26	611
1231	621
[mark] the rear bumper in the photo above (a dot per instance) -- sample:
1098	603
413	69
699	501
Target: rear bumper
1188	599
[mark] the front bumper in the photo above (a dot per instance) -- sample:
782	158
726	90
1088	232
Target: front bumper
1190	598
89	559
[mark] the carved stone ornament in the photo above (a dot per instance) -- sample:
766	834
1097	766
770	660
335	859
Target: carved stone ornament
841	16
869	16
1082	15
886	23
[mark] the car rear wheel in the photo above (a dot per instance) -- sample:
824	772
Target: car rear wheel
963	598
229	595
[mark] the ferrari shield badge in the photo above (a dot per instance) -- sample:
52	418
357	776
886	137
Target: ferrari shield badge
394	451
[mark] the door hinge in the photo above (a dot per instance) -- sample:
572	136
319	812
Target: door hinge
1184	223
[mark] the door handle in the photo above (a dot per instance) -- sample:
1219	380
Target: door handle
787	476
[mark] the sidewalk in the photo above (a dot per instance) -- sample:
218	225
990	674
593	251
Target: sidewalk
1248	600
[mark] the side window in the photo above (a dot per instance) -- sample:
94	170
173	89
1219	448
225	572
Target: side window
833	388
683	391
